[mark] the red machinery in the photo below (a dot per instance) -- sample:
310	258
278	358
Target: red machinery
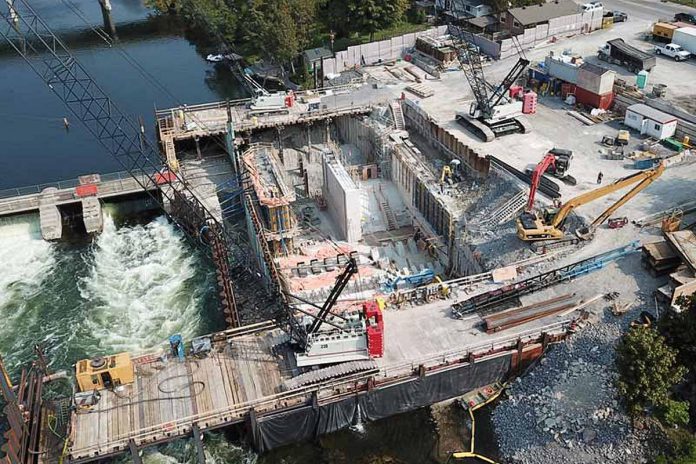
557	162
375	329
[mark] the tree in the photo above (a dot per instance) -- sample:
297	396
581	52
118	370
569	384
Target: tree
679	329
373	15
683	450
648	369
675	413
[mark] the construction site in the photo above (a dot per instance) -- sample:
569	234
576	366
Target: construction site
379	246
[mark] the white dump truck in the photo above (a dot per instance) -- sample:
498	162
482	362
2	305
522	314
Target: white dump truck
672	50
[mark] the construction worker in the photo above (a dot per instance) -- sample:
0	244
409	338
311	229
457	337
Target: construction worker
599	177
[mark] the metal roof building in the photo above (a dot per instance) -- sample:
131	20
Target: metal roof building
537	14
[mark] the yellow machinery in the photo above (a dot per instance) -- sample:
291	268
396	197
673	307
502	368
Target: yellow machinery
547	225
104	372
446	174
672	222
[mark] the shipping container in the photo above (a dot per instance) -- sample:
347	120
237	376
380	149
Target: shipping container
594	100
662	32
686	37
563	67
596	79
567	89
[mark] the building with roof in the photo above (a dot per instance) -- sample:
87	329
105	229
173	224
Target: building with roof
650	121
516	20
314	61
483	24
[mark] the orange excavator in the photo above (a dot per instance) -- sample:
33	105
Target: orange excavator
548	224
557	163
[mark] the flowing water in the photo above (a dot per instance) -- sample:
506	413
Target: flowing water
138	282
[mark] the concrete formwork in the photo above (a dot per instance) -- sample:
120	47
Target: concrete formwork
343	199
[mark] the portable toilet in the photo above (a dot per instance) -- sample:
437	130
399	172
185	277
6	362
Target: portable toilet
642	79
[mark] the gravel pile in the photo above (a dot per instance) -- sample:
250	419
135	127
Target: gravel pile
566	409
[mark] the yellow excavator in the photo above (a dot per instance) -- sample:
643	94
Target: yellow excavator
548	224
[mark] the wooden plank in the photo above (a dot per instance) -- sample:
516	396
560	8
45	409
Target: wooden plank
226	381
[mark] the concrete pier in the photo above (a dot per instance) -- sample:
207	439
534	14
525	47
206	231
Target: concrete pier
92	215
49	215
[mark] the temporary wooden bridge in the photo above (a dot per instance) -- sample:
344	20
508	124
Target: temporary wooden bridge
243	379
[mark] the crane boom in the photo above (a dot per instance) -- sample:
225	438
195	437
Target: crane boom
646	178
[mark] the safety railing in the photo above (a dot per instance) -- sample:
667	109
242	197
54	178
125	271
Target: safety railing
302	395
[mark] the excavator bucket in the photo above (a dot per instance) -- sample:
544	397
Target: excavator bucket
585	233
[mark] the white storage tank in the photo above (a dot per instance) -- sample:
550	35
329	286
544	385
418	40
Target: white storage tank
686	37
649	121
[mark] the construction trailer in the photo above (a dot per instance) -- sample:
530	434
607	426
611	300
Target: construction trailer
649	121
686	37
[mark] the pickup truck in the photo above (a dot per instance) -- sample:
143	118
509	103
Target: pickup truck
673	51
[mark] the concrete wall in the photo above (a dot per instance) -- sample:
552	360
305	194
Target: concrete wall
343	199
417	119
374	52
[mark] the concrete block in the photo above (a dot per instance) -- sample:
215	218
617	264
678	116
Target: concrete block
49	215
92	215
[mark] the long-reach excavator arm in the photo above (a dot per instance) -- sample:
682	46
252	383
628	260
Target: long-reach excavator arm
537	174
531	226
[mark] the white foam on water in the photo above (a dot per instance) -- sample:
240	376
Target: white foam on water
138	289
26	260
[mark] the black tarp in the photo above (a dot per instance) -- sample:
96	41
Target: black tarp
432	388
283	428
300	424
336	416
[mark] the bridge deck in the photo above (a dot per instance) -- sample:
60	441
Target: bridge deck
211	119
167	397
248	367
26	199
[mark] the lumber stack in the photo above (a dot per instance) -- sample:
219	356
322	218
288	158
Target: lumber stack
660	258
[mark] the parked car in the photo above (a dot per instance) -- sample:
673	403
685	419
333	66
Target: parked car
685	17
673	51
592	6
619	16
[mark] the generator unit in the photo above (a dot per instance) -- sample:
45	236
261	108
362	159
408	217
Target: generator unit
104	372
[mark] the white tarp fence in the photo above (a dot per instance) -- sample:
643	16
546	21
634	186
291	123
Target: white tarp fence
374	52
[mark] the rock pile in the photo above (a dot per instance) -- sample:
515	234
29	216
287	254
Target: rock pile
566	410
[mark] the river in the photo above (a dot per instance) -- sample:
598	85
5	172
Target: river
139	281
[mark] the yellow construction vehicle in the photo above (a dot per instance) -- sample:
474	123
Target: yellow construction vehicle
446	174
548	224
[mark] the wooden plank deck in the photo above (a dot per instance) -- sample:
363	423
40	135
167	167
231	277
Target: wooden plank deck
167	398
